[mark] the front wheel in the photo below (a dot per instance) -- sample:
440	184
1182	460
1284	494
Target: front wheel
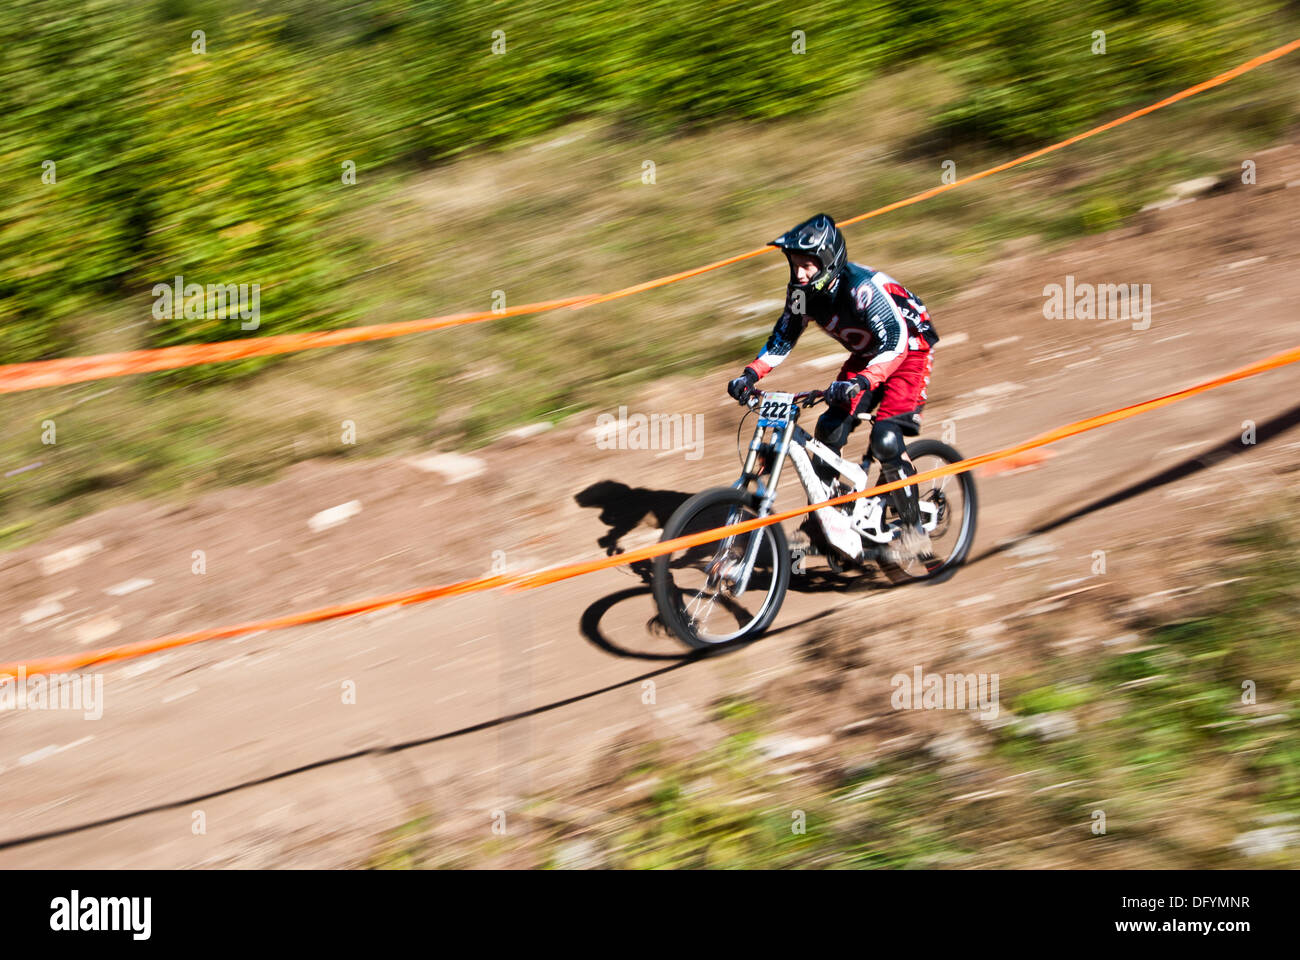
698	589
949	508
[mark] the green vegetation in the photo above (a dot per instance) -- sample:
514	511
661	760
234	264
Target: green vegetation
227	167
227	163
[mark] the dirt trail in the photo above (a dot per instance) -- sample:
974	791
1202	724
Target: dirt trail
252	739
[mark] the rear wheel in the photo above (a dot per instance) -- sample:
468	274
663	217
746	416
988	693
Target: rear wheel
949	507
697	588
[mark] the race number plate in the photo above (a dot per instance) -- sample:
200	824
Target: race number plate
776	410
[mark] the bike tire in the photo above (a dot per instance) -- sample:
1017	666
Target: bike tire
671	611
930	447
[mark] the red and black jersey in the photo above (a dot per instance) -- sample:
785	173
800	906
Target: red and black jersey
873	315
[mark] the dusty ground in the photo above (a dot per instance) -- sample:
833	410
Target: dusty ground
491	697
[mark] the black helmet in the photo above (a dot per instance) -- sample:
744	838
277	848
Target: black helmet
816	237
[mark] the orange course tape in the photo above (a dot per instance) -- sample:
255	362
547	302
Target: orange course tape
543	577
49	373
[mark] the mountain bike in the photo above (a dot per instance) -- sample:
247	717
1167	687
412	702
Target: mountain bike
728	591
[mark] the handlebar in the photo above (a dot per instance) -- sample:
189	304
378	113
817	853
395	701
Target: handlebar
807	398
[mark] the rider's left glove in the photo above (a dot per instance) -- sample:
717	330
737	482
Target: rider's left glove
841	392
742	386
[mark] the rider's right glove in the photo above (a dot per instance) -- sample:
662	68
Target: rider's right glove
841	392
742	386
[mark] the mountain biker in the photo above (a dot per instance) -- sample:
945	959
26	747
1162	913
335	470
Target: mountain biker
889	336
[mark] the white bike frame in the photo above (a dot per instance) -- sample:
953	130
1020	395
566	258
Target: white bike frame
845	532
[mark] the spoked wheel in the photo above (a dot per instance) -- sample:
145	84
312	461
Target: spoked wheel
698	589
948	512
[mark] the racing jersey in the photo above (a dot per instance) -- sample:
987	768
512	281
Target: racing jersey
869	312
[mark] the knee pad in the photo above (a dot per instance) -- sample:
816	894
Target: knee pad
887	444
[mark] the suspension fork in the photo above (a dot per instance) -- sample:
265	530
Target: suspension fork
777	450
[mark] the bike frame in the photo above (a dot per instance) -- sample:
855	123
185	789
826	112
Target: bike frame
771	446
